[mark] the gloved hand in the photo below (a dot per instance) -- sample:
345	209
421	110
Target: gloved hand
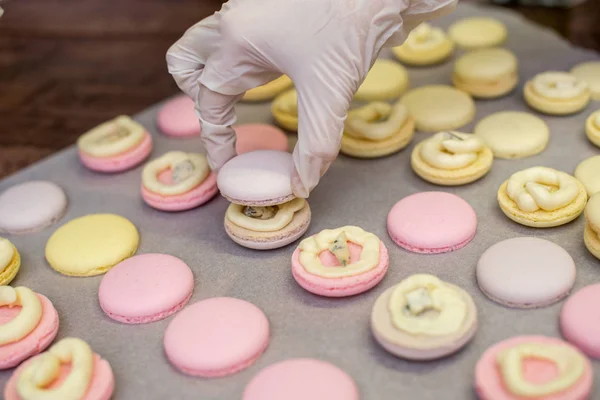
325	46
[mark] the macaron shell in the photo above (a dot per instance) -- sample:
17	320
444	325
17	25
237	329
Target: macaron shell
253	137
10	271
592	241
178	118
409	56
268	90
478	32
580	320
589	72
364	148
550	107
592	212
120	162
196	197
35	342
588	173
386	80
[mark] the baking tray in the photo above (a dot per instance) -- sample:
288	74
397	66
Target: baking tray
357	192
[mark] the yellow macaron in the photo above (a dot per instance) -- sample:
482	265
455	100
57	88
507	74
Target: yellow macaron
592	230
285	110
478	32
10	261
486	73
268	91
592	128
557	93
386	80
424	46
588	173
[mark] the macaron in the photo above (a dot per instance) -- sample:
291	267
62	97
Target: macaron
10	261
438	108
34	328
423	318
340	262
533	367
591	235
425	45
377	130
301	379
452	158
31	206
432	222
216	337
92	244
592	128
478	32
525	272
486	73
269	90
386	80
285	110
253	137
557	93
146	288
95	379
177	118
513	134
589	72
115	146
542	197
178	181
588	173
580	320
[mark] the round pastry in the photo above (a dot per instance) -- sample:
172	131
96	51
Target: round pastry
115	146
377	130
580	320
300	379
340	262
478	32
68	370
285	110
423	318
432	222
592	128
253	137
216	337
146	288
589	72
588	173
542	197
526	272
386	80
178	181
439	108
452	158
10	261
424	46
91	245
486	73
592	230
557	93
269	90
31	206
513	134
29	324
535	368
177	118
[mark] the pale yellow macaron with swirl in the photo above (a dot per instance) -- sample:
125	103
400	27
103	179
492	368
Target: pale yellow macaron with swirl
452	158
542	197
269	90
592	229
377	130
592	128
285	110
10	261
557	93
486	73
425	45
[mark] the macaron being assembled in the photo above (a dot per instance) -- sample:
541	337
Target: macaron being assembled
438	108
580	320
253	137
557	93
146	288
340	262
452	158
10	261
588	173
478	32
592	128
386	80
513	134
589	72
423	318
29	324
69	370
592	230
425	45
31	206
301	379
177	118
432	222
526	272
285	110
377	130
542	197
486	73
216	337
178	181
533	367
92	244
269	90
115	146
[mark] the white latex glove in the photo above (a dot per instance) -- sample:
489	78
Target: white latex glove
325	46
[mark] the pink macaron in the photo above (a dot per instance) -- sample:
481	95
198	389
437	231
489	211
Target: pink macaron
120	162
432	222
146	288
580	320
36	341
252	137
177	118
216	337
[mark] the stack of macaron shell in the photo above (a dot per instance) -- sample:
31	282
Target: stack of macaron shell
478	33
557	93
423	318
269	90
29	324
177	118
340	262
10	261
285	110
592	128
377	130
592	229
264	214
425	45
178	181
70	370
114	146
386	80
580	320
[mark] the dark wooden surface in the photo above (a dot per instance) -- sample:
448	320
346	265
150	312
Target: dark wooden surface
68	65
